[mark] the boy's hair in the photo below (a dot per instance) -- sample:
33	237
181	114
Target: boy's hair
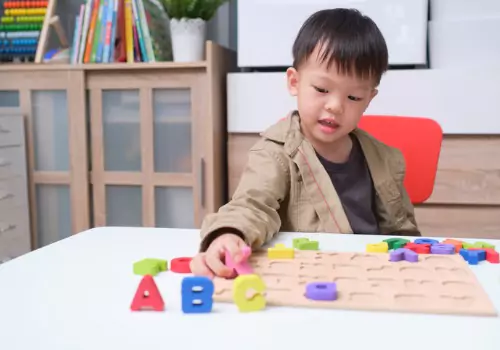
346	37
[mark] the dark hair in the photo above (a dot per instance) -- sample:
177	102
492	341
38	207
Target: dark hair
346	37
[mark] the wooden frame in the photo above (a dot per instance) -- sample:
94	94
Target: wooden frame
206	81
51	20
148	179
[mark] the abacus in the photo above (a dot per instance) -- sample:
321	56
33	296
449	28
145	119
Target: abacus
24	27
20	25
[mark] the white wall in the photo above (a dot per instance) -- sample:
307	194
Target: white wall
460	88
464	33
267	28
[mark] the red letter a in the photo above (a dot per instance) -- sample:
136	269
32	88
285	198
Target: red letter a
147	296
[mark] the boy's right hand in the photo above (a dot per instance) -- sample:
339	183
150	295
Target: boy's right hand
210	263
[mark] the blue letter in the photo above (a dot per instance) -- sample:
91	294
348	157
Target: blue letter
425	241
197	294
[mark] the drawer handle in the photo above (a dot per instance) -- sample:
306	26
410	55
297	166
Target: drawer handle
2	130
5	196
4	162
6	227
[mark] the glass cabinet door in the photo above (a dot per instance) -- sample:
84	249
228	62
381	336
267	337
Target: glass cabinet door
50	133
143	173
53	104
122	153
173	136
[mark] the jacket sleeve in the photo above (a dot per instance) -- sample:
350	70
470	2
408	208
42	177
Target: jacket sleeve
408	225
252	213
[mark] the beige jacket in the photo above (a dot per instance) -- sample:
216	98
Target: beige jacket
284	187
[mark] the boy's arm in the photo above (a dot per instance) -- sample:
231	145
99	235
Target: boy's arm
252	212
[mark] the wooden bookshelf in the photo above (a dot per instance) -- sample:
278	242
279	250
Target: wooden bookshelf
141	144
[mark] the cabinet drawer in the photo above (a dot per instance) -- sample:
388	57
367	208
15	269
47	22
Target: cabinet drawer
13	195
12	162
14	235
11	131
403	24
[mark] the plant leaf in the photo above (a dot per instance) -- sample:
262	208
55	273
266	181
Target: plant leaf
204	9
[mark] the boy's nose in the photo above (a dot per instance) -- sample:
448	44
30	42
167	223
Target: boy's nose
335	106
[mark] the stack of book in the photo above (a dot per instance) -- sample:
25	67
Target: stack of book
108	31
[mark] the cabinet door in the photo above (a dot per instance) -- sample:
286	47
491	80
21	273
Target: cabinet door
144	150
53	105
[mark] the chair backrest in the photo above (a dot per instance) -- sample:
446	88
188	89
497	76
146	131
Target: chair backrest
419	139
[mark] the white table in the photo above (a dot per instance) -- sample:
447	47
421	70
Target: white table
76	294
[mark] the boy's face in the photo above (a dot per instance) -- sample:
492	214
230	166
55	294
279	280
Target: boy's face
330	104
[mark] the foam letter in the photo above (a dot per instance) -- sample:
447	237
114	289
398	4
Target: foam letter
381	247
280	251
147	296
396	243
442	248
425	241
242	268
456	243
473	257
403	254
242	285
197	295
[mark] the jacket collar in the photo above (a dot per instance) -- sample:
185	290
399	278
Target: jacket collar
287	132
317	182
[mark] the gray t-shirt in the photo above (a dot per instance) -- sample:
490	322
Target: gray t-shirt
354	185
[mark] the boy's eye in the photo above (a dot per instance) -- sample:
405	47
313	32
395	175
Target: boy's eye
354	98
323	91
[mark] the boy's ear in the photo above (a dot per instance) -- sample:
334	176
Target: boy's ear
374	93
292	77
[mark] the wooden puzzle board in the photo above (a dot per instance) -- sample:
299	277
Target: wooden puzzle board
440	284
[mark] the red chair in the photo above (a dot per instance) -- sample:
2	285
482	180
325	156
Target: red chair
419	139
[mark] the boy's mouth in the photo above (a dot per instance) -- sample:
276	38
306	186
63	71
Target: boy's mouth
330	123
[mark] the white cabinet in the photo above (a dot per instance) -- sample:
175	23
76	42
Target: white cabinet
267	28
257	100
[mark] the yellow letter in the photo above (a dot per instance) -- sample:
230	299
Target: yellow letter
242	285
280	251
381	247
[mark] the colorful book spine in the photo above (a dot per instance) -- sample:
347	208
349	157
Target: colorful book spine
97	32
85	29
108	31
76	36
114	26
137	51
129	35
105	29
91	32
111	57
140	29
147	36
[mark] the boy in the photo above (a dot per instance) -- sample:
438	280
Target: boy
315	171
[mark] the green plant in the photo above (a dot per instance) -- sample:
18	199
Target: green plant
204	9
